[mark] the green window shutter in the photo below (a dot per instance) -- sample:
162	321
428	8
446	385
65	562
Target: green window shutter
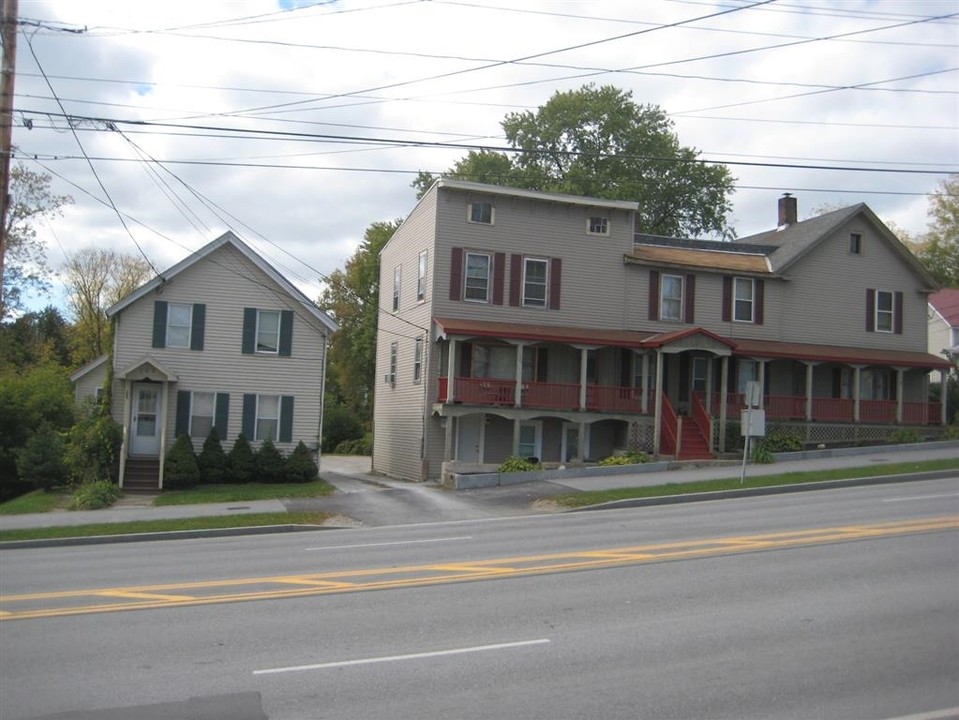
286	418
159	323
249	416
286	333
249	330
221	415
199	326
182	427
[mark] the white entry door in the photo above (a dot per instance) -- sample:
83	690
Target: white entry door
469	436
147	419
571	441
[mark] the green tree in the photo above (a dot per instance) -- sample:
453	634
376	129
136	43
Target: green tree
269	463
95	280
596	141
352	298
24	255
180	471
241	460
212	460
34	338
938	249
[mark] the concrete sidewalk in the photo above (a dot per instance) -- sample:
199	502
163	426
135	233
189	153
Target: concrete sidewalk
352	477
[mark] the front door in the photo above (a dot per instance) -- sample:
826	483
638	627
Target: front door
570	449
469	436
147	419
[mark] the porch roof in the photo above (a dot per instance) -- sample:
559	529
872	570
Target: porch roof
724	258
542	333
832	353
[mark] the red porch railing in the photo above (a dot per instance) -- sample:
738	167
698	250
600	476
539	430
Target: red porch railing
668	429
877	411
609	398
485	391
702	419
555	396
833	409
785	407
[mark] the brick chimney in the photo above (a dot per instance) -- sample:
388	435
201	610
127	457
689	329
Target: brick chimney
788	211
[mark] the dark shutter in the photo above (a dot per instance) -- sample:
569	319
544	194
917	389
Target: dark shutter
555	282
159	323
286	333
727	299
249	416
684	377
456	274
499	277
286	418
515	278
221	418
249	330
759	312
897	319
870	310
199	326
466	360
182	426
654	294
690	299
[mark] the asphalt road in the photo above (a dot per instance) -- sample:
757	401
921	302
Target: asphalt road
841	603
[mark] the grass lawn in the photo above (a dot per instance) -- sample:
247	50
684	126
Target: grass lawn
38	501
151	526
245	492
581	499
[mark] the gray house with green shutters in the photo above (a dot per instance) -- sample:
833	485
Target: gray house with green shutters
220	340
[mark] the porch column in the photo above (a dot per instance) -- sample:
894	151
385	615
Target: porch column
762	383
516	428
448	440
481	452
581	443
125	445
451	372
809	371
723	398
943	395
164	403
900	372
583	359
518	392
658	404
645	382
708	400
855	392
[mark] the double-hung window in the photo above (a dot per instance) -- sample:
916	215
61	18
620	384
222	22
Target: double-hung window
397	278
421	276
268	331
477	277
743	299
201	414
884	311
535	272
394	352
418	360
267	417
179	325
671	304
481	212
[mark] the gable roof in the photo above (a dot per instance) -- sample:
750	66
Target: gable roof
946	303
88	367
227	238
536	194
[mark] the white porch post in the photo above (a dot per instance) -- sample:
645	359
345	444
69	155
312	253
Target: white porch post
451	372
900	384
518	392
164	403
448	440
645	382
516	429
809	373
580	444
125	445
723	398
855	392
481	451
583	359
710	369
943	395
658	404
762	383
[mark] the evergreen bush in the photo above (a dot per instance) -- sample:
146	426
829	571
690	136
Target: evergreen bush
241	461
95	495
40	461
212	460
300	467
268	463
92	451
180	471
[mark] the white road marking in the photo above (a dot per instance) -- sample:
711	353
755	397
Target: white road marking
920	497
948	714
397	658
386	544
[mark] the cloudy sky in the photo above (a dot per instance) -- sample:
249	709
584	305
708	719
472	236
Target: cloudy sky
297	124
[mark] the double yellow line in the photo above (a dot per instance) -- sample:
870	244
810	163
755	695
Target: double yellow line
151	597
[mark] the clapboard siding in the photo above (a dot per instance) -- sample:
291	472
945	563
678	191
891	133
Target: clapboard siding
227	282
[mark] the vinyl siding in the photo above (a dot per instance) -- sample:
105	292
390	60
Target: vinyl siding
227	283
940	337
86	386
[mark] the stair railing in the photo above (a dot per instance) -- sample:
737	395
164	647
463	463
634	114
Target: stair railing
703	421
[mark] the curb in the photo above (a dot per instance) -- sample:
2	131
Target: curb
770	490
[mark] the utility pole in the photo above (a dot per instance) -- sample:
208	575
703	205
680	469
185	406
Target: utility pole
8	35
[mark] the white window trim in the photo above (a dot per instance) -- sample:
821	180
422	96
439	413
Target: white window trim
418	360
258	417
545	263
212	416
858	239
891	312
391	375
537	426
189	325
397	284
663	298
422	269
492	213
604	221
489	272
567	426
256	337
752	299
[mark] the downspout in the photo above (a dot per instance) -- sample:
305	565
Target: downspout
319	428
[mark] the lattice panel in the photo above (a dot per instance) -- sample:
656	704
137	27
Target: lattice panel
641	435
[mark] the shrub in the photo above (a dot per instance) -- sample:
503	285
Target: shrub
781	441
762	455
905	435
95	495
359	446
518	464
300	467
268	463
633	457
339	424
180	471
952	432
212	460
242	463
40	461
92	451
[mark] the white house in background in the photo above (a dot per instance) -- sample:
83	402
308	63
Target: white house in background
944	322
222	340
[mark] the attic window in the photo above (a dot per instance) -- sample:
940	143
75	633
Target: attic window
597	225
481	212
855	244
